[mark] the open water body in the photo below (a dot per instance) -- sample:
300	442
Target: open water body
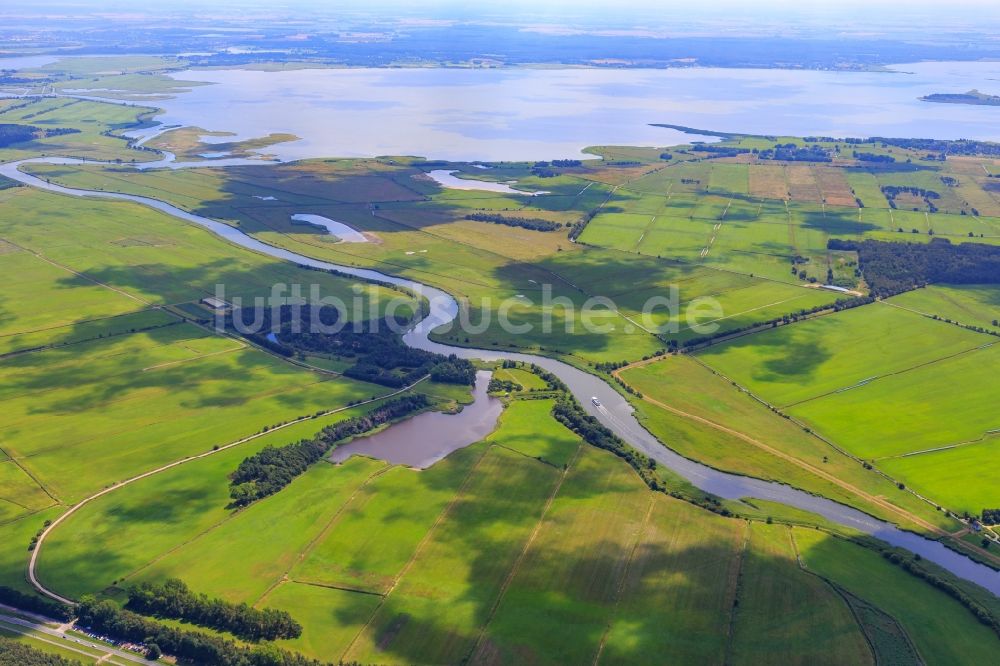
544	114
427	438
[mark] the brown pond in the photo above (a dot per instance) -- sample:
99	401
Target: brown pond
427	438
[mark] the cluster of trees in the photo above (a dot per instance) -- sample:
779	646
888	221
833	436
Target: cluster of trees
543	169
568	412
35	604
272	468
454	370
533	223
553	382
949	588
13	653
558	163
11	134
874	157
10	77
891	268
503	386
721	151
379	354
174	600
391	410
892	191
991	516
943	147
789	152
610	366
104	617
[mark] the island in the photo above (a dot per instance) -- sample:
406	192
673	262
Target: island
971	97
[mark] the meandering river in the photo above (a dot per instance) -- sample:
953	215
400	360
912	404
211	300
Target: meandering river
614	412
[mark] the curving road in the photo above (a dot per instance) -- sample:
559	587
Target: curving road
614	412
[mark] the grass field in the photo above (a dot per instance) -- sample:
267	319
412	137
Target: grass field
957	477
92	119
529	547
378	530
787	616
177	506
920	410
926	614
880	382
40	295
972	305
489	554
914	410
196	390
718	424
147	255
791	364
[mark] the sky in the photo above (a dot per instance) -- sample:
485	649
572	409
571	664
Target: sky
910	17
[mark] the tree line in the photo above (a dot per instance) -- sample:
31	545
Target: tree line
891	268
104	617
721	151
378	353
910	565
789	152
172	599
944	147
272	468
35	604
532	223
13	653
569	412
873	157
11	133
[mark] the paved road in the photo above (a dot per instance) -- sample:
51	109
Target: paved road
61	639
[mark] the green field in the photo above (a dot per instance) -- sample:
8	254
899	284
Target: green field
879	382
926	614
793	364
779	605
531	546
489	554
914	410
726	428
151	398
959	477
971	305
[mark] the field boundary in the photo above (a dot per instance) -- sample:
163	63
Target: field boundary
33	562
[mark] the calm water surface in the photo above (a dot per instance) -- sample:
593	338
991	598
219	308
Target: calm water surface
525	114
429	437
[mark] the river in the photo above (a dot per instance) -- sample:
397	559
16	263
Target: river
614	412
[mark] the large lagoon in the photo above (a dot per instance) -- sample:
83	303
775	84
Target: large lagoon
511	114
